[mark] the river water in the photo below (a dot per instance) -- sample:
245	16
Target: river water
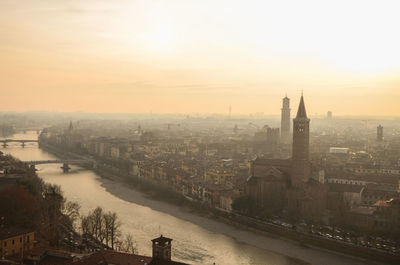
196	240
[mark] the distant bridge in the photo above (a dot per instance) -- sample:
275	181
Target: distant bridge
59	161
5	141
65	162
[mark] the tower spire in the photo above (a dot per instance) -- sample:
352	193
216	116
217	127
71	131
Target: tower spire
300	149
301	112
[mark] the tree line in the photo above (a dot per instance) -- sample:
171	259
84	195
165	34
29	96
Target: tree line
104	227
31	203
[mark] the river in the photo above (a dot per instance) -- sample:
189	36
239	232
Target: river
196	240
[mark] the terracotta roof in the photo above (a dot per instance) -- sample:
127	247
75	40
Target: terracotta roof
13	232
273	162
46	256
165	262
377	178
381	203
333	187
113	257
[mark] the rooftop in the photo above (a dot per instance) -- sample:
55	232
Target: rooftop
113	257
162	240
13	232
333	187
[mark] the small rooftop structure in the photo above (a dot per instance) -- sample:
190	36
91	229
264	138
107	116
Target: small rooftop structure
162	248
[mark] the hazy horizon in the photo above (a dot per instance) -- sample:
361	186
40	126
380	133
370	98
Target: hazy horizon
182	57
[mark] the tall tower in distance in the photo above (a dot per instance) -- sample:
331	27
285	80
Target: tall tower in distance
329	115
285	121
301	168
379	133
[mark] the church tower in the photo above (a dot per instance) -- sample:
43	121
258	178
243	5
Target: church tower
301	168
285	121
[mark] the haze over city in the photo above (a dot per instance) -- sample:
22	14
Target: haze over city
213	132
199	56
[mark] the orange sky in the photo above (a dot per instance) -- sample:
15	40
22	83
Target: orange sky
182	56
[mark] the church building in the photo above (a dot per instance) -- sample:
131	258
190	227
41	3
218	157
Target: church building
278	184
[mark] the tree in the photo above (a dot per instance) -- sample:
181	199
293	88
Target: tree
113	227
18	207
98	217
104	227
128	245
71	211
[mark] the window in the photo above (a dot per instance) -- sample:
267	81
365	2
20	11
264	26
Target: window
13	242
27	239
5	243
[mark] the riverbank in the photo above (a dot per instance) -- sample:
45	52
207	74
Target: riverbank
243	234
178	206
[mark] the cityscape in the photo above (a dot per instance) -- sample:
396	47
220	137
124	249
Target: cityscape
155	132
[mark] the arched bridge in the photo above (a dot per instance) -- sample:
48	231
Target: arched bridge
65	162
5	141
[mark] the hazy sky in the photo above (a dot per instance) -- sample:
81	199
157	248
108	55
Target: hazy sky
183	56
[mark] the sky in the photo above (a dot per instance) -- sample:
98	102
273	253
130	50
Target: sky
184	56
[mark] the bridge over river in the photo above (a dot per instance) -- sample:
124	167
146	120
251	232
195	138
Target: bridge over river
65	163
5	141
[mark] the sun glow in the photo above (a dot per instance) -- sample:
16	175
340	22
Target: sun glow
227	51
159	41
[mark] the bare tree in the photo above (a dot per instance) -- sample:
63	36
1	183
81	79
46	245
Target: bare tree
113	228
104	227
71	211
128	245
97	216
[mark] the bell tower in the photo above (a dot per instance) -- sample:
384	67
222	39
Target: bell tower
162	248
301	168
285	121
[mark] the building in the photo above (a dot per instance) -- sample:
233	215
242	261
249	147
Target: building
45	255
361	218
14	241
379	133
373	193
285	121
110	257
272	136
162	248
329	115
162	252
349	195
301	167
161	256
339	150
268	183
276	184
